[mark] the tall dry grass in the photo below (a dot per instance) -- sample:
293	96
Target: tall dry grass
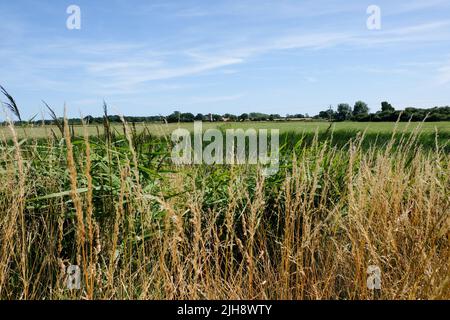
226	232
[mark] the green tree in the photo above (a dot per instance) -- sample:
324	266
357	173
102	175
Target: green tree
328	114
387	107
243	117
174	117
344	111
187	117
360	108
199	117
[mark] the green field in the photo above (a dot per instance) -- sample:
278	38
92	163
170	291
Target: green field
297	127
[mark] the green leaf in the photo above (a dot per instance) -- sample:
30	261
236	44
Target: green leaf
58	195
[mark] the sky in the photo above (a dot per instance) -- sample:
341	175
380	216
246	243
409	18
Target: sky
223	56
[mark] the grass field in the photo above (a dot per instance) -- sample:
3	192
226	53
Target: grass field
139	227
294	126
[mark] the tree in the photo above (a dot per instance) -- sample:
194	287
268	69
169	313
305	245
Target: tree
328	114
199	117
387	107
187	117
174	117
243	117
89	119
230	117
258	116
344	112
272	117
360	108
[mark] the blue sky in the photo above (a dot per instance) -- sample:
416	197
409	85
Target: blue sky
280	56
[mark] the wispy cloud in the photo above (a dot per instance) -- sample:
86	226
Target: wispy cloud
134	76
210	99
267	9
384	70
444	74
117	67
417	5
311	79
420	28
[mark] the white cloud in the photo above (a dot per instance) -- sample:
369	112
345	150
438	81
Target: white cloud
311	79
391	70
206	99
444	75
114	68
421	28
267	9
417	5
134	75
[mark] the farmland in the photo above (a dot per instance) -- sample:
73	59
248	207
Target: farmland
109	200
159	129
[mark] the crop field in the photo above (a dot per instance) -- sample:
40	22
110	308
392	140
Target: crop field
109	200
159	129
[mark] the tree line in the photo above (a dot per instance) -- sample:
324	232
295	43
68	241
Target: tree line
360	112
343	112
